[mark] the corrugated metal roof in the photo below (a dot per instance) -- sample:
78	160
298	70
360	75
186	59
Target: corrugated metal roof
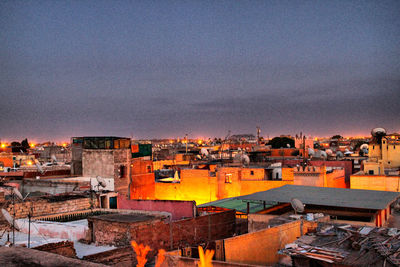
327	196
236	204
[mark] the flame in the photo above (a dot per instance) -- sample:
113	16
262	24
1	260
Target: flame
141	253
205	258
160	257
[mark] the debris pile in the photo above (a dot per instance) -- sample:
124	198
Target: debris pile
347	245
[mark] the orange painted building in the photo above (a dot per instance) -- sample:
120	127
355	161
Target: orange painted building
319	176
203	185
375	182
6	160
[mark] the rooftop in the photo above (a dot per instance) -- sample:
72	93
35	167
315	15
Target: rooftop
326	196
129	218
235	204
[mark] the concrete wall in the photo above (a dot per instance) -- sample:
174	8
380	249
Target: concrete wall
122	157
50	187
98	162
258	222
107	164
195	185
261	247
176	261
375	182
178	209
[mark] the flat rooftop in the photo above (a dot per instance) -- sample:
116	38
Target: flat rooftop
326	196
128	218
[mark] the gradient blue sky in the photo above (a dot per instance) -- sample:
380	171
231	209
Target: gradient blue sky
166	68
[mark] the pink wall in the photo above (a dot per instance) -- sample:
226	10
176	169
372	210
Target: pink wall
178	209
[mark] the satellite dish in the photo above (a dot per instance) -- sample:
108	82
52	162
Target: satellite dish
245	159
198	157
16	193
212	157
297	205
38	167
323	154
378	132
339	154
311	152
53	157
364	146
288	145
101	181
204	151
329	152
10	220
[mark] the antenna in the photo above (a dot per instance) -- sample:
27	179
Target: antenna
16	192
297	205
10	220
39	168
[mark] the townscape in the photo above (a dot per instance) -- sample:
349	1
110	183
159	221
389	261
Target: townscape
288	201
225	133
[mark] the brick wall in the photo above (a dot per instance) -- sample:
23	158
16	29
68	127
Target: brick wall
64	248
160	234
44	207
117	257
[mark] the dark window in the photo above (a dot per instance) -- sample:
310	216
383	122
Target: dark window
148	169
122	171
251	172
371	172
277	176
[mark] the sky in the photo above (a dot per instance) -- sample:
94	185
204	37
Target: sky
161	69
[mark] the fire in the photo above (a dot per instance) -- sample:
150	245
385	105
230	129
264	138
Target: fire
205	258
141	253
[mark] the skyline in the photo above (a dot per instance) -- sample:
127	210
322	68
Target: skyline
163	69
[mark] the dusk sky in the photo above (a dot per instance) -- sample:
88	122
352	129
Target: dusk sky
165	68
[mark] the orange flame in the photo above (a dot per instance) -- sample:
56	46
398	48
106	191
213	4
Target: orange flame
160	257
141	253
205	258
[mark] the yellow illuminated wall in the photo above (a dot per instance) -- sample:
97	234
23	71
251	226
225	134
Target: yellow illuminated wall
375	182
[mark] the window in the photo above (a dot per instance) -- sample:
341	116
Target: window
371	172
148	168
122	171
251	172
228	178
277	176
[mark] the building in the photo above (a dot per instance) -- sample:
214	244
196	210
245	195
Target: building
353	206
319	176
382	169
107	157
